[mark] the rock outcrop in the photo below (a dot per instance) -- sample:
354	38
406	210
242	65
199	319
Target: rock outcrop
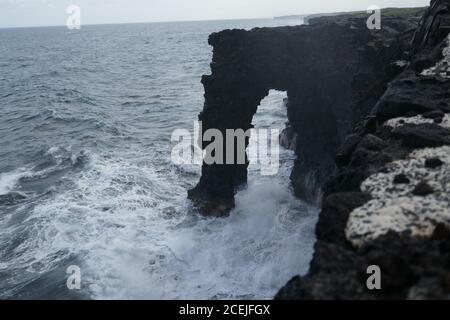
334	71
388	205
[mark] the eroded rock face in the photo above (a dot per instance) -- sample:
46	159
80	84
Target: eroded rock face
389	203
333	70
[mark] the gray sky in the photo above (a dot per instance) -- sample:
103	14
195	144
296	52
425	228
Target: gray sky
19	13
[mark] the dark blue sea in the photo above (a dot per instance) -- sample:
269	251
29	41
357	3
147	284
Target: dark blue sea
86	176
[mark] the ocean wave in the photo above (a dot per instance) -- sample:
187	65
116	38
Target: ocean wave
9	180
100	189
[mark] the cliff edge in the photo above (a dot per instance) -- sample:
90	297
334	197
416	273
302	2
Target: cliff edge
388	205
333	71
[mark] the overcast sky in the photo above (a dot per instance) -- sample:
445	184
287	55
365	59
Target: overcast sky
19	13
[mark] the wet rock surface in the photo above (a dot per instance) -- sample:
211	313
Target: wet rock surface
401	179
433	163
423	189
389	202
422	136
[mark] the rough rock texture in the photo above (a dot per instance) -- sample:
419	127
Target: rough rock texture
333	70
389	202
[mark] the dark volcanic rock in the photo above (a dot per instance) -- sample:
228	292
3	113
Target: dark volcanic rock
334	71
423	189
401	179
288	138
433	163
338	205
346	150
436	114
347	266
369	155
422	135
412	267
412	92
341	79
409	94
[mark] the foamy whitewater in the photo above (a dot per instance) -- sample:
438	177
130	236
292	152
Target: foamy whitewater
86	177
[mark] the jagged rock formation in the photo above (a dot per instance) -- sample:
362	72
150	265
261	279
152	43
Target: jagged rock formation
389	202
333	70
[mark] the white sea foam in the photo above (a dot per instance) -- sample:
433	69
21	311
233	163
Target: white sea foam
9	180
136	236
134	246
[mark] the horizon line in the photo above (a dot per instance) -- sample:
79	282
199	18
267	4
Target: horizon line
195	20
138	22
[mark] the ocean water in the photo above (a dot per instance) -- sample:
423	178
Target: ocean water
86	177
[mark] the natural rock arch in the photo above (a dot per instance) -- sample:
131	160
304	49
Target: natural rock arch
332	74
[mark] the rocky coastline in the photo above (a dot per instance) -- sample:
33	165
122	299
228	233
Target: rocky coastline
388	205
333	71
369	121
